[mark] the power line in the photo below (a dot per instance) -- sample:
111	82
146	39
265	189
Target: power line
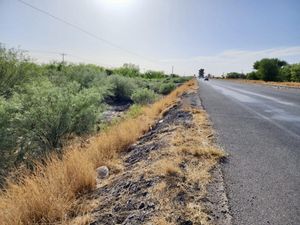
63	54
84	31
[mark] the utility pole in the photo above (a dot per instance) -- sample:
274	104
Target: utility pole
63	57
172	69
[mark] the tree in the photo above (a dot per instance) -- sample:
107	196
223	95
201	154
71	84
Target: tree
235	75
252	76
201	73
285	73
268	69
15	69
295	72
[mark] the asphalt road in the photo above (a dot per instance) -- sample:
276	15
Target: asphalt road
259	127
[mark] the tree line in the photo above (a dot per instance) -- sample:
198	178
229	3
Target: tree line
272	69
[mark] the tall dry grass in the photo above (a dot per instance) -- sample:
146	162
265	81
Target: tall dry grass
49	195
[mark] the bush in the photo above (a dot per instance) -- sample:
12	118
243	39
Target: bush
253	76
122	87
143	96
180	80
84	74
7	138
15	69
295	72
235	75
166	88
47	113
285	73
128	70
150	74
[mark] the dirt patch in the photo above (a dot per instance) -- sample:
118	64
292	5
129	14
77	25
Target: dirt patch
167	175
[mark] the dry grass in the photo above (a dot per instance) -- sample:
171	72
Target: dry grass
50	194
80	220
270	83
185	164
167	167
161	221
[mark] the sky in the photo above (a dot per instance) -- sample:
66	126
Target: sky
218	35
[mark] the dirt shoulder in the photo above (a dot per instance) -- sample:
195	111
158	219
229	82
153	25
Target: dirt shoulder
269	83
170	176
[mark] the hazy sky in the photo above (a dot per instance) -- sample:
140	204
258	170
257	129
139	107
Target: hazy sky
218	35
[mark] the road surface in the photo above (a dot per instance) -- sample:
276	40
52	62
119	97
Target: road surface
259	127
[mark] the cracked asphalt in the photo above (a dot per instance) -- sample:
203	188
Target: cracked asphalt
259	126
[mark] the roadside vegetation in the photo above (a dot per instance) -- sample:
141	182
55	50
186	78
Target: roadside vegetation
43	107
270	70
50	194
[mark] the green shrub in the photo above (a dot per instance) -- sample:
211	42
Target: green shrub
47	113
180	80
253	76
122	87
134	111
235	75
285	73
143	96
295	72
128	70
150	74
15	69
154	86
8	137
166	88
84	74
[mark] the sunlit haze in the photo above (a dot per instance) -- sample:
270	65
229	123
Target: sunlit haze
220	36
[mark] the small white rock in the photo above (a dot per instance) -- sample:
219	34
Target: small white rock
160	121
102	172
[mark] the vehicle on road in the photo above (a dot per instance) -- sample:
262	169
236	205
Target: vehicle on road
205	78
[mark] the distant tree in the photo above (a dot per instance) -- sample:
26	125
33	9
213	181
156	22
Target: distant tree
285	73
15	69
268	69
201	73
295	72
252	76
235	75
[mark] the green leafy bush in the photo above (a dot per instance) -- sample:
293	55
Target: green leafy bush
15	69
285	73
180	80
150	74
128	70
252	76
8	138
235	75
122	87
166	88
143	96
47	113
295	72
